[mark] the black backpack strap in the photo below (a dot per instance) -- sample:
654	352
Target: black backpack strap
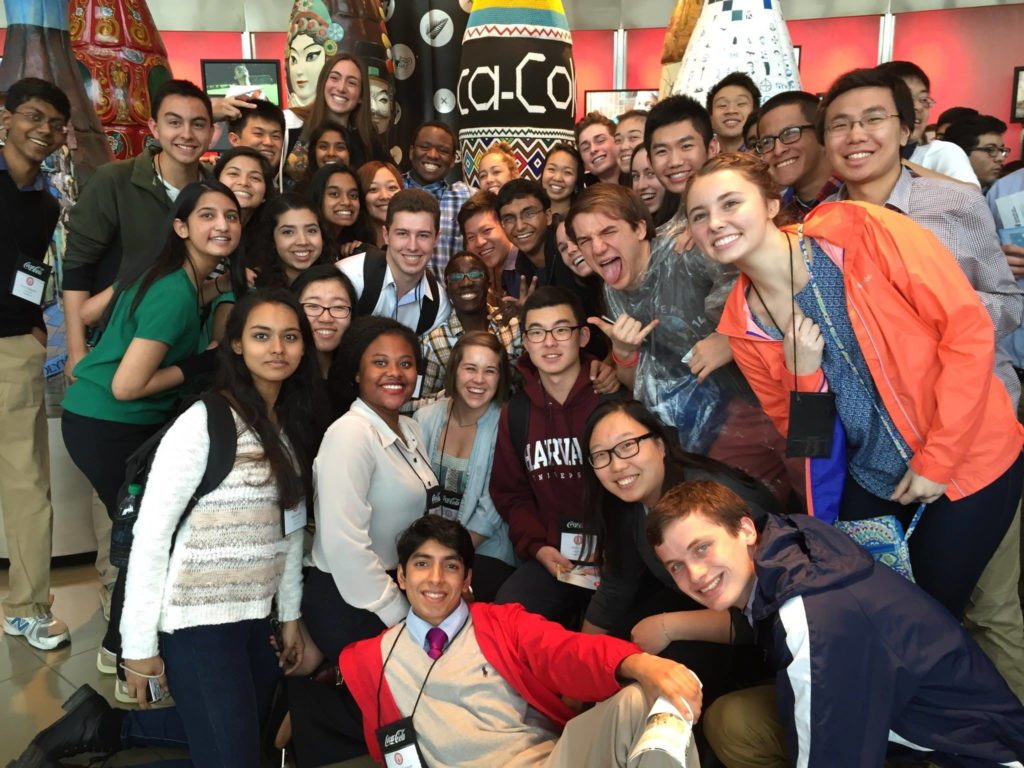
220	424
375	264
429	306
519	422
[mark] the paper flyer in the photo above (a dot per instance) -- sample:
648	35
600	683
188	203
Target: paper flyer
586	576
669	733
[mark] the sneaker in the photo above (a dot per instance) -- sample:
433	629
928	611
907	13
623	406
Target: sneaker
106	661
43	632
121	692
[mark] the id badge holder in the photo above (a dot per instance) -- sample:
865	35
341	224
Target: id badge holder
295	518
572	542
398	745
30	278
434	501
812	419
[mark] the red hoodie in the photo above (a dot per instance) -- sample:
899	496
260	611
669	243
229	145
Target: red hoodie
537	500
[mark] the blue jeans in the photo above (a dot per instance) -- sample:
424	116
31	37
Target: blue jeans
223	679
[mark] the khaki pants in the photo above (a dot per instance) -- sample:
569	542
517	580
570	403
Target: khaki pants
101	529
603	737
744	730
993	615
25	475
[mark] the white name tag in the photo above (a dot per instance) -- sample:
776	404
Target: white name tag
572	545
295	518
407	757
29	286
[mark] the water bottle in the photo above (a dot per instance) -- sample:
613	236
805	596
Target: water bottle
122	526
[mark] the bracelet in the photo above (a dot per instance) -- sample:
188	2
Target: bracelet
630	363
163	668
664	631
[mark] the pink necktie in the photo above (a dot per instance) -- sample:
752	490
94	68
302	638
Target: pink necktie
436	638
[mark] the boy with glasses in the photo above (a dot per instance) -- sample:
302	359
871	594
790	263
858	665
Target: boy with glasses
35	120
937	155
796	161
982	139
865	118
537	480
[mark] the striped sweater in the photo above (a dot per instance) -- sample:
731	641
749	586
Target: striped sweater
230	558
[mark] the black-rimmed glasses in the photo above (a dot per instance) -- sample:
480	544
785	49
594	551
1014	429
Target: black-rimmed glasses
558	333
627	449
789	135
313	311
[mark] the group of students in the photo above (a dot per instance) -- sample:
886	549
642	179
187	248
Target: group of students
609	406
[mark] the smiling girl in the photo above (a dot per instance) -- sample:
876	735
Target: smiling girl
380	181
336	192
294	241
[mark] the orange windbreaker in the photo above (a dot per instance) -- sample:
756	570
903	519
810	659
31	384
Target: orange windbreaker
927	340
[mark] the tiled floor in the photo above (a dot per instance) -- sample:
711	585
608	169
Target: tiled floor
33	684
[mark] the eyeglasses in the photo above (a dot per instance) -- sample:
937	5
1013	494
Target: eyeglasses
313	311
994	152
57	125
458	277
558	333
870	123
627	449
527	216
789	135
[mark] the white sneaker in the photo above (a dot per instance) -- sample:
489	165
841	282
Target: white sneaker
43	632
106	661
106	592
121	693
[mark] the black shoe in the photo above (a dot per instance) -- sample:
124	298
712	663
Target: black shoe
80	730
34	757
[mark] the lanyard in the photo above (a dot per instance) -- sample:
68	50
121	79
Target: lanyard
406	458
380	681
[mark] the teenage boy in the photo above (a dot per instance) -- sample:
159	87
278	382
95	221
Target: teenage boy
629	134
487	681
796	161
481	229
35	120
398	284
467	281
731	101
665	306
982	139
936	155
865	118
865	660
595	137
432	156
537	479
111	227
262	128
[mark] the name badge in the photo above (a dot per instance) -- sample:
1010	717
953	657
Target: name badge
574	544
295	518
419	387
434	501
398	745
812	423
30	277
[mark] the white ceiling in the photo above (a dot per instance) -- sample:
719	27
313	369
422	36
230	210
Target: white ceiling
272	15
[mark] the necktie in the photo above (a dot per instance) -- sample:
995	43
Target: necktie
436	638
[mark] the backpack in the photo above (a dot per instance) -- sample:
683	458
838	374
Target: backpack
375	265
223	443
519	419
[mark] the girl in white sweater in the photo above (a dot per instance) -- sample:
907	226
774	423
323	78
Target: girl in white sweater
197	617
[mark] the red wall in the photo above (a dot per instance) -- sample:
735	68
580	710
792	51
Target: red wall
592	55
969	55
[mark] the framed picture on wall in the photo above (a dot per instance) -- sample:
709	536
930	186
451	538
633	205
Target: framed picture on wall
614	103
1017	107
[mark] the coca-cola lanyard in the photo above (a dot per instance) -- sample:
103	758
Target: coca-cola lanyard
380	682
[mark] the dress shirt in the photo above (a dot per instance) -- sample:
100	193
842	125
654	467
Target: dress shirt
451	626
405	309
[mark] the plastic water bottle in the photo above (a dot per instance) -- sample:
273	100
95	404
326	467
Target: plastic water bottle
122	526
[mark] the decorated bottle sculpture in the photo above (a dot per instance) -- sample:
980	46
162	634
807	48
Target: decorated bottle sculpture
739	36
517	82
426	36
123	61
38	45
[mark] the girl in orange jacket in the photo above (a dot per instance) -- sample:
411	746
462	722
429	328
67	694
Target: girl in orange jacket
862	302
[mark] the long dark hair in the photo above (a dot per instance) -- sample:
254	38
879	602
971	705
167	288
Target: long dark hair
299	403
599	503
266	260
252	228
359	119
318	189
341	378
172	253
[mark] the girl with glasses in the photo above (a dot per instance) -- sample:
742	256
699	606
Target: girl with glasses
328	300
632	460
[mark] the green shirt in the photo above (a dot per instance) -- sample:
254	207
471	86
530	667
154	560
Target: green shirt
168	313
